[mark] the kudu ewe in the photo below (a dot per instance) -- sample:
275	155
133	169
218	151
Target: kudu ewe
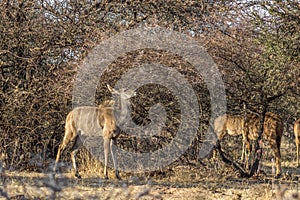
248	127
297	138
232	125
86	121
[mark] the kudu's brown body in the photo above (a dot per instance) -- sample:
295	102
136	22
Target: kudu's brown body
248	126
93	121
297	138
232	125
87	120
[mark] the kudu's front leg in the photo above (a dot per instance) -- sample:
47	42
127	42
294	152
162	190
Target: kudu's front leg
113	155
106	151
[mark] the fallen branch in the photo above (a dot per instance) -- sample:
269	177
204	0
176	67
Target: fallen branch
228	161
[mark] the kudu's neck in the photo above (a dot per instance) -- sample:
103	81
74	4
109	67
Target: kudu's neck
123	109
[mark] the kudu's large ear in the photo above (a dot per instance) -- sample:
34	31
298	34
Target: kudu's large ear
125	94
132	94
128	94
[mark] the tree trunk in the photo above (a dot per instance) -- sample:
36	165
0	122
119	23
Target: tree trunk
258	141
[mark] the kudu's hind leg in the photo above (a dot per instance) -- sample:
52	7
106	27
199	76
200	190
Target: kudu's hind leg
75	148
247	153
69	134
278	163
113	155
276	154
61	148
243	152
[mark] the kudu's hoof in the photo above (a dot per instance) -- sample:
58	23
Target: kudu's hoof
52	175
277	176
77	176
117	175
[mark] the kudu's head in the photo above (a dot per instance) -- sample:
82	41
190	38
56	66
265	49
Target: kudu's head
122	106
123	94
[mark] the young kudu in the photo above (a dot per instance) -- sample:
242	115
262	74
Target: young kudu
297	138
86	121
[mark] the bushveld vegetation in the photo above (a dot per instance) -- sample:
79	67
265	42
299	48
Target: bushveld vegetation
256	45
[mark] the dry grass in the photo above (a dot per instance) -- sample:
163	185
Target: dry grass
215	180
181	183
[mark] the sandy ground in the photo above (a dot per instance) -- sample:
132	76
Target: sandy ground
186	183
214	180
